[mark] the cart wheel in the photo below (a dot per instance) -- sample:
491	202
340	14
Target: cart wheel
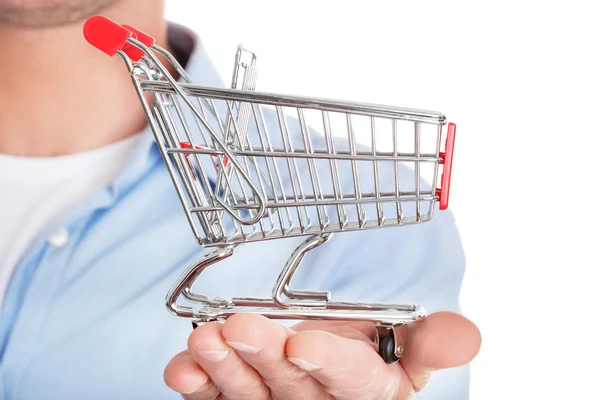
387	345
197	322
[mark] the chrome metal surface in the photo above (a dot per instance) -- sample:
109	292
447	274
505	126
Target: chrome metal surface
252	166
322	104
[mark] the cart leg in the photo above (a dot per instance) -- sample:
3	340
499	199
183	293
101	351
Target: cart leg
305	298
185	281
388	341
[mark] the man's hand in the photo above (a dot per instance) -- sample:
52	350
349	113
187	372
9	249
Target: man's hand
251	357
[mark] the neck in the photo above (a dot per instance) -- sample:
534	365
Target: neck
59	95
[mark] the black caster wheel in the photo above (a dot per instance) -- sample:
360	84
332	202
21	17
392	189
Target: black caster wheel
196	323
387	347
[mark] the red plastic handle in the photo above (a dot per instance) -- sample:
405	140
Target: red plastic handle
141	36
444	191
106	35
133	52
110	37
186	145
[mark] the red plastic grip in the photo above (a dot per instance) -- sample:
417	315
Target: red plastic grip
444	191
186	145
106	35
141	36
133	52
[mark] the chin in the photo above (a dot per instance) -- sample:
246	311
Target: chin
49	13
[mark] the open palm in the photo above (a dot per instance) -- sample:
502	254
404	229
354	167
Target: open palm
251	357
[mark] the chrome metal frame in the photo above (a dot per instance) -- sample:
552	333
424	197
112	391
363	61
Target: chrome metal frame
247	199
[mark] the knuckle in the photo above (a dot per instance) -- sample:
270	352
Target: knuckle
292	379
287	380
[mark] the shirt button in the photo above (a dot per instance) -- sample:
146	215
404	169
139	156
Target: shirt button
59	238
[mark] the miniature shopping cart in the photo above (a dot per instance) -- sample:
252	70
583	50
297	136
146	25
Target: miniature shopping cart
251	166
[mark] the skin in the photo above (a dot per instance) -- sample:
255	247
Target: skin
315	359
51	73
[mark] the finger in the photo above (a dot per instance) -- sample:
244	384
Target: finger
261	343
347	368
441	340
315	325
351	330
232	375
184	375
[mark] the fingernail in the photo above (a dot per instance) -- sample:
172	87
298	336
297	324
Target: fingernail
213	355
305	365
244	347
194	383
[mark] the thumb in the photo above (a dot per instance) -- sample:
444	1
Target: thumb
438	341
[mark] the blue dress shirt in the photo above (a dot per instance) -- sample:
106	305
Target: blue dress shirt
86	320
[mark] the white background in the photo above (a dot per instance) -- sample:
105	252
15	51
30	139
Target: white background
521	80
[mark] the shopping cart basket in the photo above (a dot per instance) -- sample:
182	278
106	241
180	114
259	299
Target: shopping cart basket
245	171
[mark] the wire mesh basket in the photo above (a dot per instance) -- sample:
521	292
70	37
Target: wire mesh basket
250	166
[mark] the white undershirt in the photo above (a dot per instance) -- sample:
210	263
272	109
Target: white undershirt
36	191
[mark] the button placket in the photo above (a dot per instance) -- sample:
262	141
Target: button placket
59	238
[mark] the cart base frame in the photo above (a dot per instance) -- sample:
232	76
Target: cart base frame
290	304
